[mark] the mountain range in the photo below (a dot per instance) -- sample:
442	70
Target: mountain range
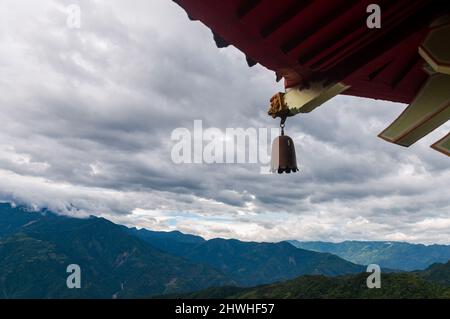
36	248
121	262
393	255
249	263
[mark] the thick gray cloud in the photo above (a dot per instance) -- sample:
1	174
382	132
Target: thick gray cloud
87	116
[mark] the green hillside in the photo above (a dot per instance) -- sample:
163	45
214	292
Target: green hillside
418	285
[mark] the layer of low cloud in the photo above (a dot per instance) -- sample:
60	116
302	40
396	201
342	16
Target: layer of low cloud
87	116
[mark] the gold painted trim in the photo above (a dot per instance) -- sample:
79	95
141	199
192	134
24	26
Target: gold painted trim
306	100
437	67
421	123
437	146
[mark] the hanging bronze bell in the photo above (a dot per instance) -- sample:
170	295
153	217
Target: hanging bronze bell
283	154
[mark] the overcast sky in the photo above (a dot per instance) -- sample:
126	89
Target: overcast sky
87	115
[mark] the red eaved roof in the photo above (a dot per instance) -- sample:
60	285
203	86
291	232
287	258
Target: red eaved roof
328	40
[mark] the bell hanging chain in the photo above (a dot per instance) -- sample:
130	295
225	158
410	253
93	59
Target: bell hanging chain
282	125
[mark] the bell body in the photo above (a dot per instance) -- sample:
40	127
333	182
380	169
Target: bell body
283	155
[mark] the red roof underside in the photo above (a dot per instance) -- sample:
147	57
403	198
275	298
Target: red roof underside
313	40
